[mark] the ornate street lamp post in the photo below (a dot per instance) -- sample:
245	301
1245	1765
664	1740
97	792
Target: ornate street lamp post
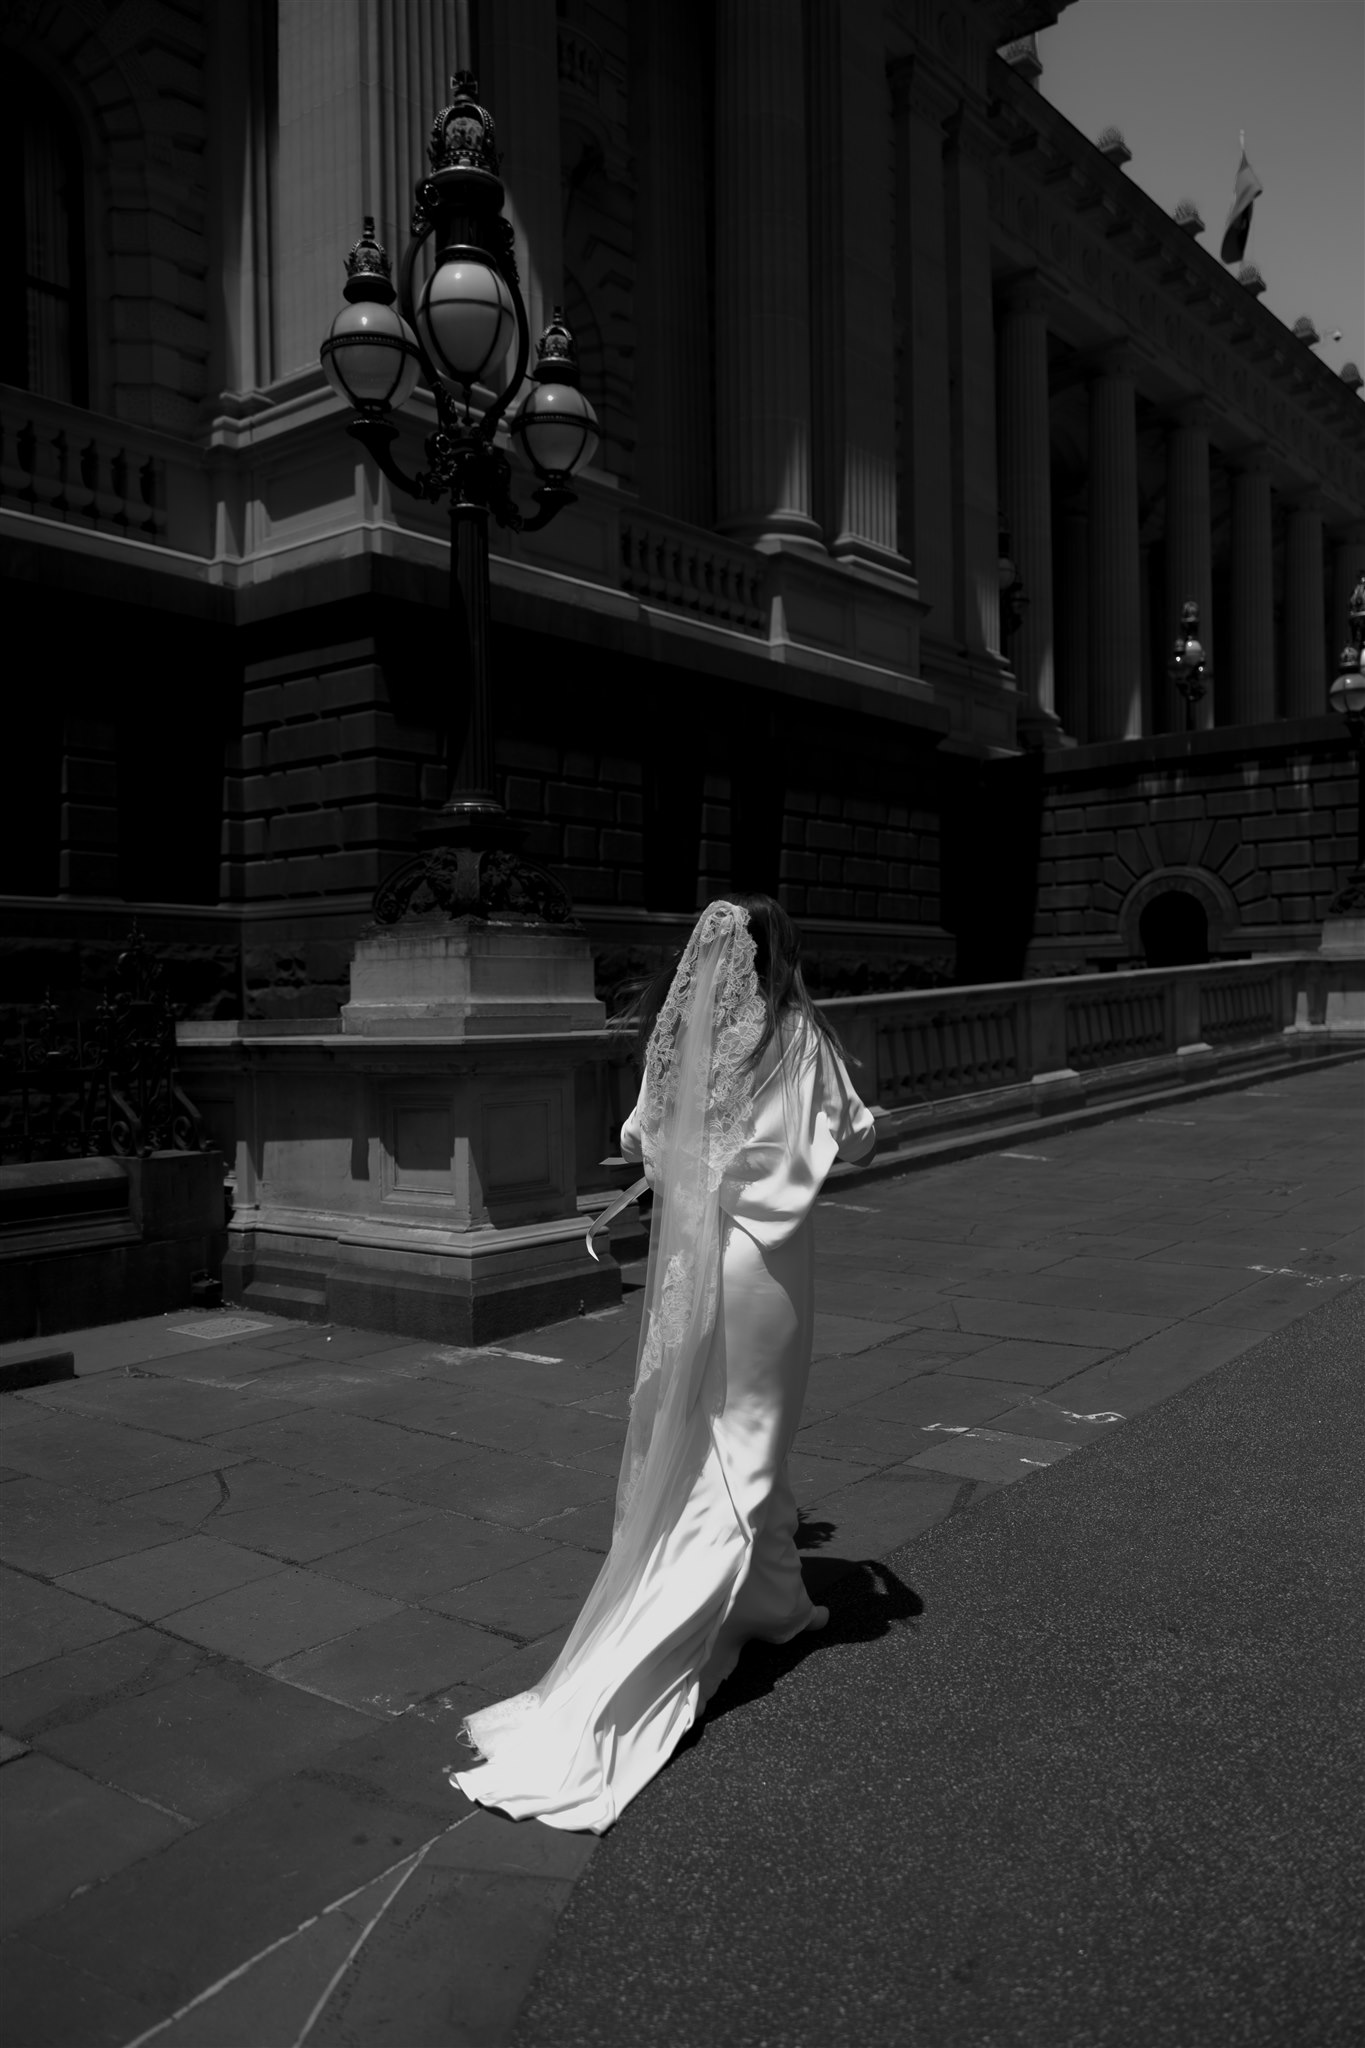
1187	667
456	330
1347	698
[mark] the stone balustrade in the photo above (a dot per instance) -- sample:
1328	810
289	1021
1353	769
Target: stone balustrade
1049	1041
667	563
81	469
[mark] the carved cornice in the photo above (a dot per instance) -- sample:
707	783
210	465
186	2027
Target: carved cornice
1181	310
923	93
1256	461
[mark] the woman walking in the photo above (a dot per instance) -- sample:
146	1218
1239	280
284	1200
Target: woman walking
744	1106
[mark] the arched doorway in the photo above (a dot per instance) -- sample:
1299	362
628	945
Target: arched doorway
1174	930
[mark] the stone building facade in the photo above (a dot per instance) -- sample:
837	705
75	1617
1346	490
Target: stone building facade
875	337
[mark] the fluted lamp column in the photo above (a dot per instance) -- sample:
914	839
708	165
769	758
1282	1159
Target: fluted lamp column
1189	557
1026	496
1115	693
763	349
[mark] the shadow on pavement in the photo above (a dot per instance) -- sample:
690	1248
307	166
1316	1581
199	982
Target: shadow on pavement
865	1600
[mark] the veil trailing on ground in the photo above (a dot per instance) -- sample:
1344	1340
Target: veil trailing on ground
696	1112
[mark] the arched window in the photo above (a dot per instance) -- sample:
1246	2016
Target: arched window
42	298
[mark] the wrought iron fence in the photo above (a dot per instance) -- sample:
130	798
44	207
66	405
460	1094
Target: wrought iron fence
77	1088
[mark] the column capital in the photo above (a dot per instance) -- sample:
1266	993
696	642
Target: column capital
1120	360
1347	533
1028	294
1190	412
1254	461
929	98
972	137
1309	500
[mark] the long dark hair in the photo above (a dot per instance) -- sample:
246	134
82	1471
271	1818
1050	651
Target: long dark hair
777	962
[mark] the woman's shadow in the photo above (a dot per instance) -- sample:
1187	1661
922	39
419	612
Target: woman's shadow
865	1600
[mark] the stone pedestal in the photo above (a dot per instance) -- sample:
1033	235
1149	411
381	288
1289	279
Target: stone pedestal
416	1170
461	978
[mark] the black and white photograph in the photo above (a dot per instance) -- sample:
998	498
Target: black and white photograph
682	1022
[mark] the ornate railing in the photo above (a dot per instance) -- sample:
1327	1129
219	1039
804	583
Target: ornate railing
81	469
1103	1030
76	1088
691	571
1245	1007
934	1045
946	1049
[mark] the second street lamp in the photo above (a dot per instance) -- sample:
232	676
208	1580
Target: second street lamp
458	328
1188	668
1347	699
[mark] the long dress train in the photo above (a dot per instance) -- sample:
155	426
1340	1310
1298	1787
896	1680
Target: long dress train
726	1570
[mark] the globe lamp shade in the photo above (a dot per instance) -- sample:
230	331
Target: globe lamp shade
558	429
1347	694
466	319
370	357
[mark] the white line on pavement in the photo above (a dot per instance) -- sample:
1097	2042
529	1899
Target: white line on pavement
405	1865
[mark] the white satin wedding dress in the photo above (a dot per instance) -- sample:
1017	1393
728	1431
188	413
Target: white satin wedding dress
704	1556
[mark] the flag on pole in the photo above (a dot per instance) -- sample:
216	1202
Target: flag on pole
1245	192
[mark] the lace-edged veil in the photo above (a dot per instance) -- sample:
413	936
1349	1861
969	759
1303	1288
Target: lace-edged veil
696	1112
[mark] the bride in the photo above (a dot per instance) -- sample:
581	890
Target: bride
745	1104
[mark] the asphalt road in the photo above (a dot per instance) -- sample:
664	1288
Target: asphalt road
1084	1766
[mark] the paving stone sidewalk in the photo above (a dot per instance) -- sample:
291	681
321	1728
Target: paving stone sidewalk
254	1571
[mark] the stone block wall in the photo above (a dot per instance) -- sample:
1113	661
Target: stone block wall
863	857
842	855
583	814
325	780
1257	825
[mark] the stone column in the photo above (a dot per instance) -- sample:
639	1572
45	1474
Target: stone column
971	330
853	341
359	84
519	80
1026	491
1189	551
1348	566
1305	612
1251	628
239	181
762	289
1114	709
926	467
1072	604
675	429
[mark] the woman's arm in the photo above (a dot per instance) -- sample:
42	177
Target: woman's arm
851	1122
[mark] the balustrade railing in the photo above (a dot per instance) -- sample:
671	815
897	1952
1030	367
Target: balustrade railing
936	1045
690	571
1105	1028
81	469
